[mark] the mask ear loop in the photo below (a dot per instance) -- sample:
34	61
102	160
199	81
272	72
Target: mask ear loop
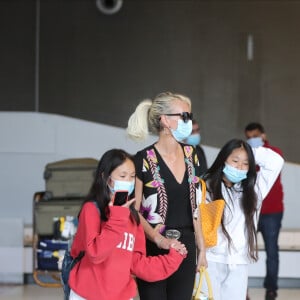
165	127
107	183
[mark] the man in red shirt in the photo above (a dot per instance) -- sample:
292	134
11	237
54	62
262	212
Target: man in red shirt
270	215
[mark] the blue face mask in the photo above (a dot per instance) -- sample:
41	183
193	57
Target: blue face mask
255	142
233	174
120	185
193	139
183	130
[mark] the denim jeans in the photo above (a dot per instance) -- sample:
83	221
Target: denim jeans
269	225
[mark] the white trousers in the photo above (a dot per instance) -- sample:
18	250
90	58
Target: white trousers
74	296
228	281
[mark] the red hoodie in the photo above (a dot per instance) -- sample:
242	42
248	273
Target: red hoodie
273	203
114	251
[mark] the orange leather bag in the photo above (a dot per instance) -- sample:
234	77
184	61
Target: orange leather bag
211	215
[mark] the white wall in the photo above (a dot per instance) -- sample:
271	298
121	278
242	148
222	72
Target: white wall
31	140
28	141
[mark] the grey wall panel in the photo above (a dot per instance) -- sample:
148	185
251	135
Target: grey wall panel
17	53
98	67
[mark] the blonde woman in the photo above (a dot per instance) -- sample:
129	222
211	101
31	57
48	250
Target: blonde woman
167	181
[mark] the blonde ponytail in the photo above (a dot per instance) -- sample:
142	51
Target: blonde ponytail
137	128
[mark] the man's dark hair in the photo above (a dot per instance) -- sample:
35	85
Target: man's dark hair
253	126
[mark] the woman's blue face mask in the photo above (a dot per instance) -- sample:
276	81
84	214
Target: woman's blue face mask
183	130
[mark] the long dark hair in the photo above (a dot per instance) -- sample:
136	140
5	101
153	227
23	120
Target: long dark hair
214	177
99	191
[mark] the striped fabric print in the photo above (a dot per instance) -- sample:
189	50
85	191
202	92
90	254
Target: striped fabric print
193	179
159	182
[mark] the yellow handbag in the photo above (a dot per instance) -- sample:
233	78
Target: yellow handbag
197	293
210	216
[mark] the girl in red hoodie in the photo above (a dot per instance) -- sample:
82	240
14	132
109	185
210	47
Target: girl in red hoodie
113	240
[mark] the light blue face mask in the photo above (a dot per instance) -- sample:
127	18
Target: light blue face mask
120	185
183	130
233	174
193	139
255	142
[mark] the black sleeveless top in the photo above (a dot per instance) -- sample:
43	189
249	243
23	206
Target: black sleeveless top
165	200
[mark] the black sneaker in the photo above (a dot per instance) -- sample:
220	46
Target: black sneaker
270	295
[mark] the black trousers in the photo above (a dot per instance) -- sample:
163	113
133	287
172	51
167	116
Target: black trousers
178	286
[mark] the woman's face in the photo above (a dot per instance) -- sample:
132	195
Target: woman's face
238	159
178	107
124	172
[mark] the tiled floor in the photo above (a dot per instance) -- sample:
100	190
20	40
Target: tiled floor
34	292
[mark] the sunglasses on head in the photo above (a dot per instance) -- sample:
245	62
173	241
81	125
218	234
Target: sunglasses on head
185	116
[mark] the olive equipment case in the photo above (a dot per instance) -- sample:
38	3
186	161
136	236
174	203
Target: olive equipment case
69	178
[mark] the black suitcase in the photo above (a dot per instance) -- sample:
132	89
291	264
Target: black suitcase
69	178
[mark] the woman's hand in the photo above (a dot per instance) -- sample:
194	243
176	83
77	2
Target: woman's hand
179	247
164	243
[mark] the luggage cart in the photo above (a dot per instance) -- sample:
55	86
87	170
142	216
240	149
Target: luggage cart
48	245
67	183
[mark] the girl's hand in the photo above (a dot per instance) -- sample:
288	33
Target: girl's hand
201	262
128	203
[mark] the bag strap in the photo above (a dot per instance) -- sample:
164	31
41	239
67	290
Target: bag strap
204	273
203	190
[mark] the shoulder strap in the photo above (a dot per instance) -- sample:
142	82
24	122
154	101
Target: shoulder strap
203	189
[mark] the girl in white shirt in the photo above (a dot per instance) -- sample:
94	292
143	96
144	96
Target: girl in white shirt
233	177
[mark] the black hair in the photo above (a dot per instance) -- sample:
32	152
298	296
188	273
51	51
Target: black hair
254	126
99	191
214	177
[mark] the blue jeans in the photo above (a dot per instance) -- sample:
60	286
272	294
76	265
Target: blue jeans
269	225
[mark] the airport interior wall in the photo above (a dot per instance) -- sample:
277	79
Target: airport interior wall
31	140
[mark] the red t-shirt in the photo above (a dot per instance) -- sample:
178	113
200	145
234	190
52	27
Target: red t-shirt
114	251
273	203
